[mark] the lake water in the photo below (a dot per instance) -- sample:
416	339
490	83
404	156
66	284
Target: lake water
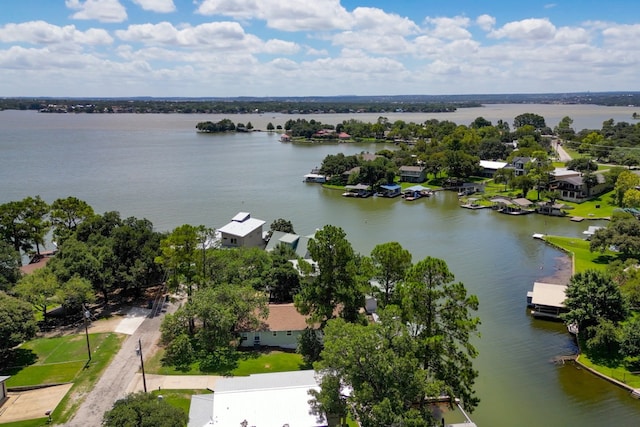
158	167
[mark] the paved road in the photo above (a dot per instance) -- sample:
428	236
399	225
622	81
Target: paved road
562	154
116	378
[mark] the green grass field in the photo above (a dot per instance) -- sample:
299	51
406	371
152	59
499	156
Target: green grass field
583	258
52	360
249	362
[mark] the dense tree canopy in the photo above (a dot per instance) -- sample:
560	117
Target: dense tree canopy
17	323
622	233
144	410
335	287
9	266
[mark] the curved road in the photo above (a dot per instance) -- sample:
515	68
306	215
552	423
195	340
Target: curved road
116	378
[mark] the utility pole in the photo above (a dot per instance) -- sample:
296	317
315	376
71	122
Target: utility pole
85	316
139	351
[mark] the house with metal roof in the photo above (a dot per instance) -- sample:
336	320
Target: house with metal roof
242	231
257	400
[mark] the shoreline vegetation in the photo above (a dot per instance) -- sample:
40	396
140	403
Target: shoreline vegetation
307	104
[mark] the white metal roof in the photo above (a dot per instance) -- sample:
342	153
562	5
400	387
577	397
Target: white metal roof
548	294
243	228
266	400
488	164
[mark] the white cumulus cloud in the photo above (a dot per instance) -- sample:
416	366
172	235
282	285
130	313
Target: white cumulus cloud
160	6
40	32
100	10
527	29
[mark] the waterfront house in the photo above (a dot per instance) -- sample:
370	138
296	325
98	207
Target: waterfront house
242	231
489	168
519	164
574	189
547	300
413	174
281	329
346	174
296	242
254	401
390	190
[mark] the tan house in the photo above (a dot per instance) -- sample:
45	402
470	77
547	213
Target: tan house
242	231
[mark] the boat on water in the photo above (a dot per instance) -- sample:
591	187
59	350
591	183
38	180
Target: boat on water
314	178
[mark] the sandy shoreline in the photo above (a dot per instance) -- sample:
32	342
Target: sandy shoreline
562	271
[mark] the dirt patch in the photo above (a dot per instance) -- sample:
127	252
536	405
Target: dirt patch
32	404
562	271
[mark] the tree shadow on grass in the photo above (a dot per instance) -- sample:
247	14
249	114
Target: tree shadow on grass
17	359
604	259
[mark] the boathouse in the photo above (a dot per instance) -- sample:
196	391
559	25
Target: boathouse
3	390
390	190
547	300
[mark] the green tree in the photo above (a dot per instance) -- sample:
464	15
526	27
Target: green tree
66	214
270	127
504	176
582	164
530	119
13	229
626	181
379	366
35	212
144	410
335	287
564	129
9	266
280	224
17	323
539	171
39	289
179	255
524	183
391	262
591	296
75	293
623	233
440	313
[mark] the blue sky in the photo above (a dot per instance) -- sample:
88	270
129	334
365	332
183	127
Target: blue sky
121	48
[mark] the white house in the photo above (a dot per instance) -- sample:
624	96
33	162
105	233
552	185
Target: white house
260	400
242	231
281	329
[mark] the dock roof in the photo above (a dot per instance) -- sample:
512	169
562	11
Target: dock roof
548	294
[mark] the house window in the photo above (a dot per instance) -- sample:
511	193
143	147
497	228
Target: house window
275	333
288	332
234	241
256	338
244	336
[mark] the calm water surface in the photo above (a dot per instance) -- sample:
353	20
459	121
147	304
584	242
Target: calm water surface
158	167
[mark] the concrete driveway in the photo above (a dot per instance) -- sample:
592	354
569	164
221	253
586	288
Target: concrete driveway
26	405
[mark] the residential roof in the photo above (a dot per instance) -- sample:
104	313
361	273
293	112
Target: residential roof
411	168
201	410
256	399
488	164
285	317
302	248
548	294
241	225
357	187
4	378
278	237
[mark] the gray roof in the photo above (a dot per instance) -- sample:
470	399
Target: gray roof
201	410
302	248
278	237
4	378
267	381
548	294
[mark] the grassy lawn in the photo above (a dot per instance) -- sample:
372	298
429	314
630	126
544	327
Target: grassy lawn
618	373
62	359
600	207
38	422
249	362
179	398
583	259
52	360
